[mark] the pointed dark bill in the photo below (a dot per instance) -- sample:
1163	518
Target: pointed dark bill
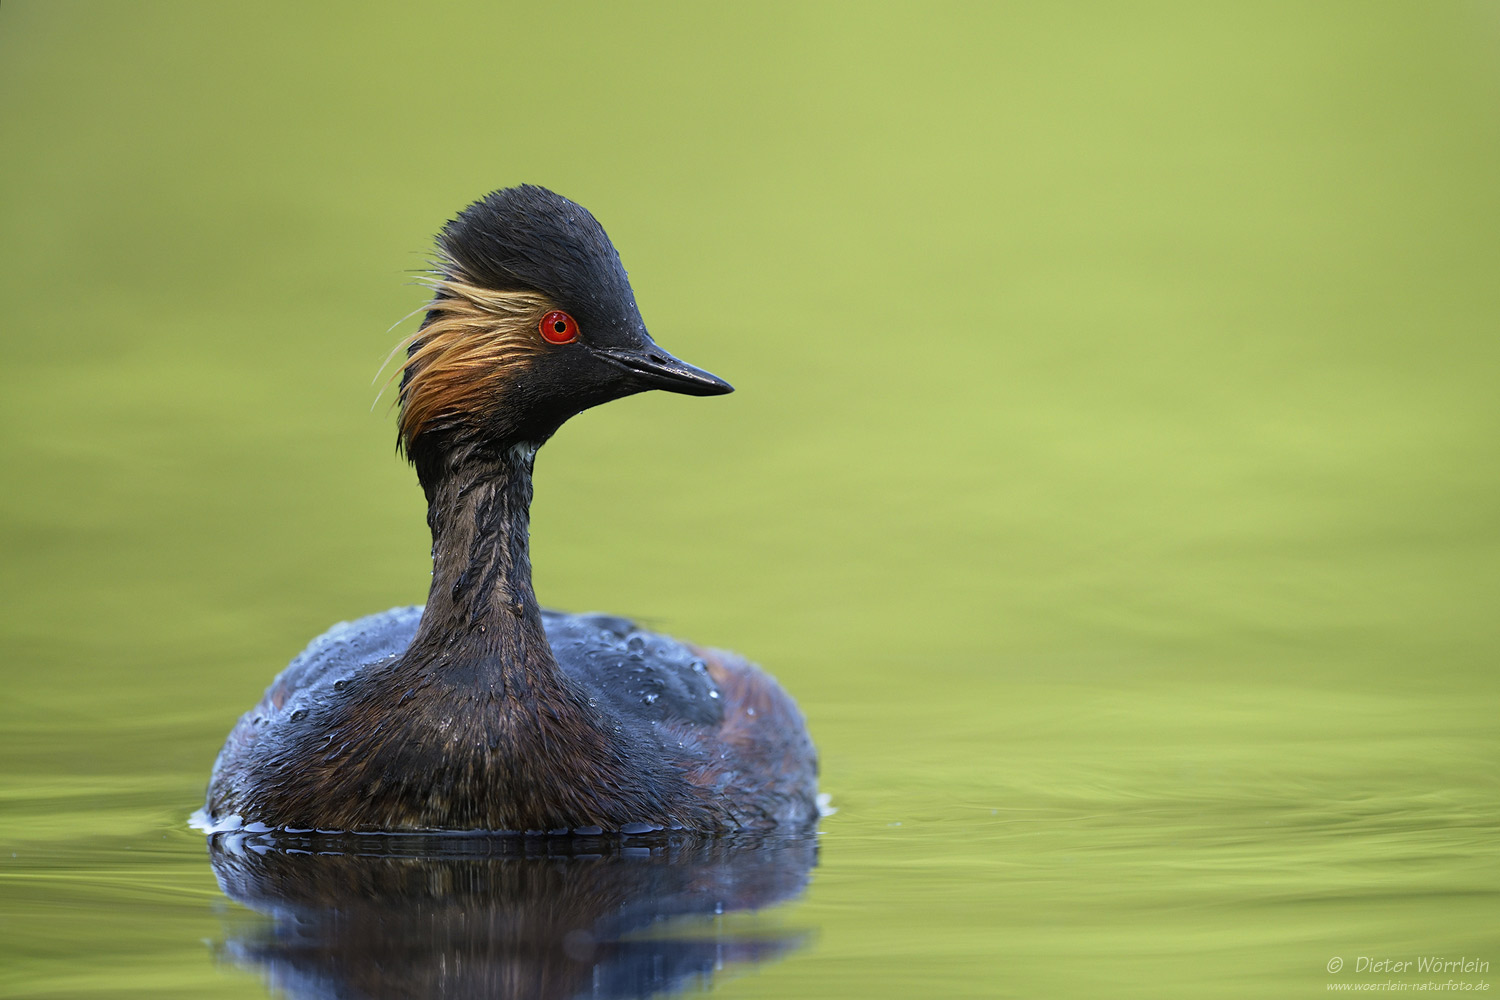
654	368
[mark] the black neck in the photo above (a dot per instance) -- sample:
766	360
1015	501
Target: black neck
482	615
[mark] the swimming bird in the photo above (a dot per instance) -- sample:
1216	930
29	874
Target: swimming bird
481	710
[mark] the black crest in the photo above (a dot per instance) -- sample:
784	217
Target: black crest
528	238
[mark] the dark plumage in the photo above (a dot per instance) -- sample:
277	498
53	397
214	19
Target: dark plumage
528	239
481	711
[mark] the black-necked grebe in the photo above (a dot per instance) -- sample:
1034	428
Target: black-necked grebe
482	711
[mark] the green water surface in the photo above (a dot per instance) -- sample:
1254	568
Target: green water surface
1112	476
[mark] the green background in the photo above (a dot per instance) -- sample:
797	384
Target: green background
1112	475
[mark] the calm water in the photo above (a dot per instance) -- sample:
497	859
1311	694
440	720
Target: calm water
1112	478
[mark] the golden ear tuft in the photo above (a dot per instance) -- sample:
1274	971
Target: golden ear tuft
472	344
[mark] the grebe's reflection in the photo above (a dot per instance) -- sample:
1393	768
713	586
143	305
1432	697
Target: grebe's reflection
418	916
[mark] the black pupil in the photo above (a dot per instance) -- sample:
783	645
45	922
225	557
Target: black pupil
560	326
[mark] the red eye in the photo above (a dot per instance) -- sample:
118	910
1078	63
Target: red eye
558	327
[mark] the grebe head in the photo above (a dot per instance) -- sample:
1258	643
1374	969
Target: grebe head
533	320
